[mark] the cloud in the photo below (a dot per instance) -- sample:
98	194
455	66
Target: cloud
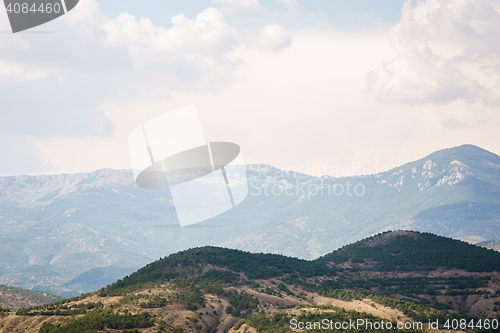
98	61
73	46
370	80
272	38
208	34
20	156
243	9
57	85
53	84
446	50
10	73
292	4
191	54
455	124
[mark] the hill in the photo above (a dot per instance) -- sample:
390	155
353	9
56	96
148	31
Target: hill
388	251
410	251
74	233
212	289
16	298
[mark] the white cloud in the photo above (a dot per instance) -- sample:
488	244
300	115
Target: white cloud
10	73
191	54
446	50
273	38
208	34
455	124
85	20
33	100
242	9
370	80
20	156
53	87
292	4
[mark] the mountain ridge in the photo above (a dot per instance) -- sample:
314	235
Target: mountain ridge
54	232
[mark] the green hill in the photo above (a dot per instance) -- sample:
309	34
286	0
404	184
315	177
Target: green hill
411	251
390	251
15	298
397	276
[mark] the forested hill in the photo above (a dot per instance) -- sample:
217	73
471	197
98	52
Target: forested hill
15	298
215	290
412	251
389	251
192	262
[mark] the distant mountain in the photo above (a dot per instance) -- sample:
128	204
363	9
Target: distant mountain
75	232
395	277
16	298
494	245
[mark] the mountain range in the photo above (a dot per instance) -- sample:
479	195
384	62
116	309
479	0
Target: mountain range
74	233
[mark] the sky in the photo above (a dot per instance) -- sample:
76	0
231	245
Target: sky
315	86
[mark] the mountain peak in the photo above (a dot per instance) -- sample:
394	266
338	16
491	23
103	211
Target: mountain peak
412	251
445	167
466	151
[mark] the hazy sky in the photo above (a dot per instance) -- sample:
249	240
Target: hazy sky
310	85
